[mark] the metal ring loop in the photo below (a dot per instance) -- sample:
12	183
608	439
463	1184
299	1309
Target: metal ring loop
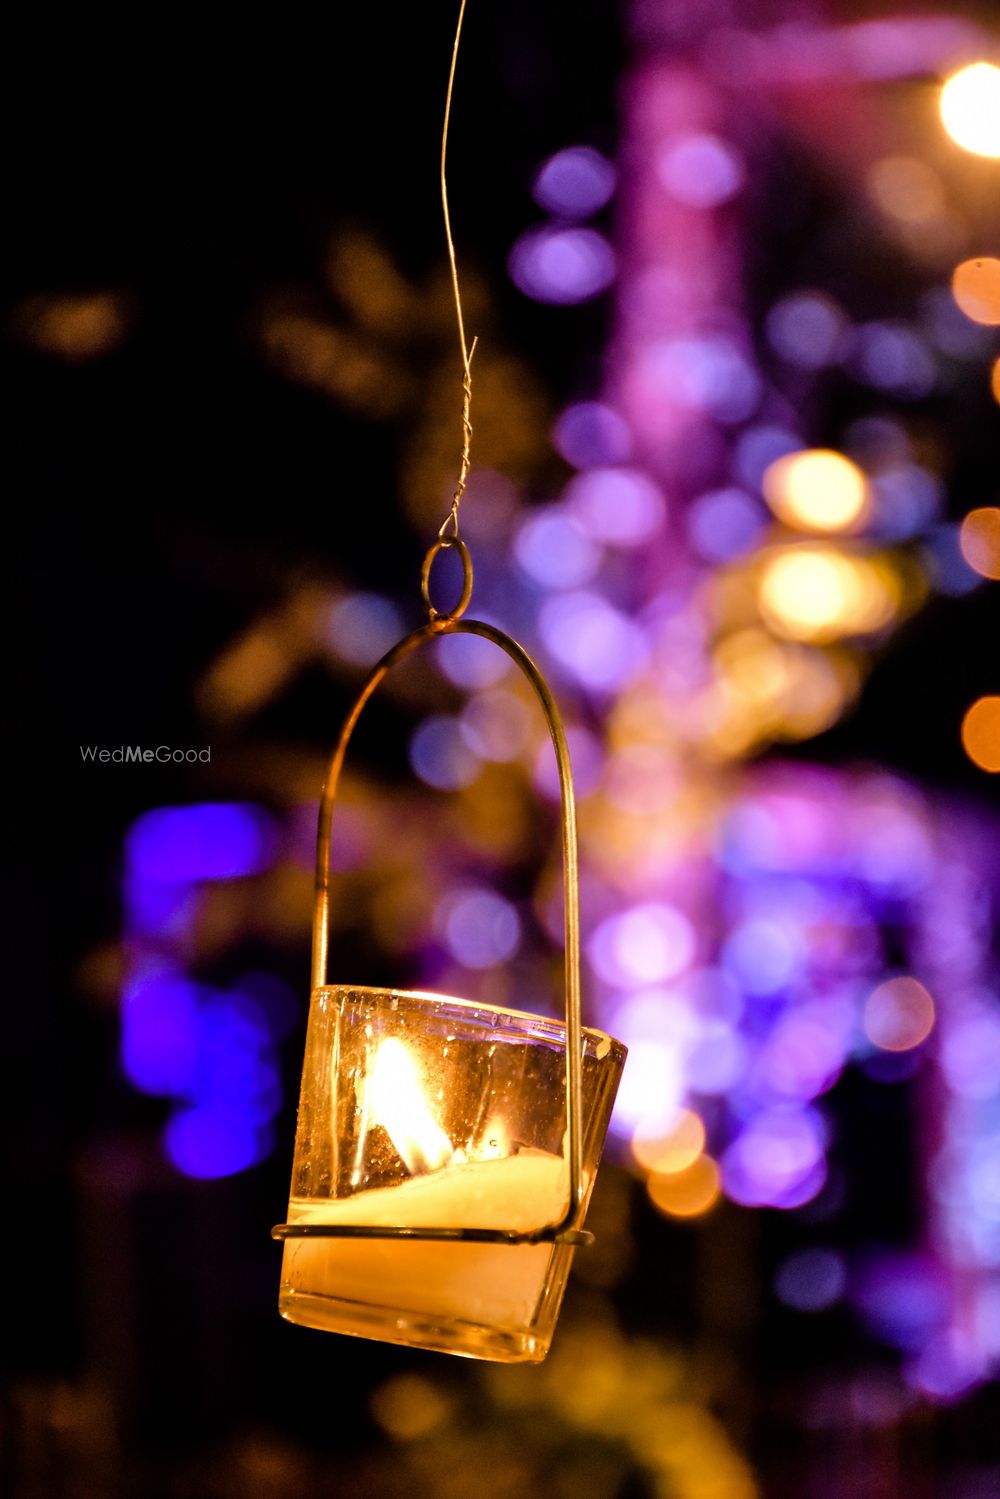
441	545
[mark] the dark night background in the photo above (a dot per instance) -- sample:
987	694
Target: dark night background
159	498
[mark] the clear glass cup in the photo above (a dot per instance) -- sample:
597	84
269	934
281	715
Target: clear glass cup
424	1111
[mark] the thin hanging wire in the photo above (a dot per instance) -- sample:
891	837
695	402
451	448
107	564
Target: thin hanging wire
449	527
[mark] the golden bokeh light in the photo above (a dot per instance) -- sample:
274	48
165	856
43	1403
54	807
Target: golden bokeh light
975	285
898	1015
75	326
995	381
981	733
906	189
686	1193
673	1150
979	538
816	490
819	593
970	108
408	1406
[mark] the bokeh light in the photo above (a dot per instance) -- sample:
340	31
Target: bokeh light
674	1150
981	733
599	644
979	538
811	1280
975	286
562	266
441	756
898	1014
725	523
497	724
619	506
816	490
554	549
892	357
480	927
643	945
945	563
806	329
592	435
970	108
700	170
819	594
574	183
207	841
907	189
995	381
687	1193
363	626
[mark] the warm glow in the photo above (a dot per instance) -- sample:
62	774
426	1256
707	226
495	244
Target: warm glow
816	490
979	539
398	1103
975	285
685	1194
818	593
674	1149
898	1015
907	189
995	381
981	733
970	108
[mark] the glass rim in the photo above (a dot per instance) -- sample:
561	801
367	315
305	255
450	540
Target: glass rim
615	1047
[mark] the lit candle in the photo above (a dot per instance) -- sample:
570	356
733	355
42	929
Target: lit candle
386	1287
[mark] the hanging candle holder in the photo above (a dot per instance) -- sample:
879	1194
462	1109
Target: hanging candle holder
445	1150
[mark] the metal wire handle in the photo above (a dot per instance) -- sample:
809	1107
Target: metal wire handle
567	1228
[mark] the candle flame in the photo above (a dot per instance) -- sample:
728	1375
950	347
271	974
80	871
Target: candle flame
398	1103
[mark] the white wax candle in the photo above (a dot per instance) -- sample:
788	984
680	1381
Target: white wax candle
486	1284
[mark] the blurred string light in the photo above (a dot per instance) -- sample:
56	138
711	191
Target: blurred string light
820	593
975	285
995	381
211	1052
970	108
816	490
700	170
945	562
725	523
898	1015
441	755
687	1193
892	357
75	326
674	1150
807	329
979	539
562	265
619	506
592	434
907	189
981	733
574	183
480	928
362	626
811	1280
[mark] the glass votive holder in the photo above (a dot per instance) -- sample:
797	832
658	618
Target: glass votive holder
422	1111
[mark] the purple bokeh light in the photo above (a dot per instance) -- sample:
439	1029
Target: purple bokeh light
562	266
700	170
620	506
592	434
574	183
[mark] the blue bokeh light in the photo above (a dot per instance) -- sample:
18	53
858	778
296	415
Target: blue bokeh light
206	841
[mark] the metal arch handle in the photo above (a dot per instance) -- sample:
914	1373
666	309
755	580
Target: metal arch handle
451	624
